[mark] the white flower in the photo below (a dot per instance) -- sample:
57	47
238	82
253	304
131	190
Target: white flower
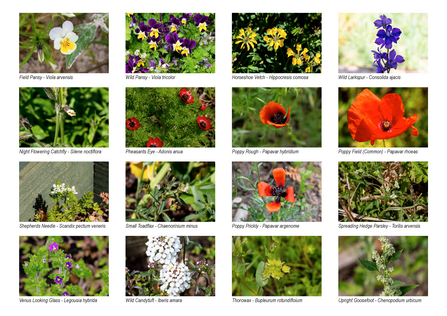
137	52
70	15
127	52
64	38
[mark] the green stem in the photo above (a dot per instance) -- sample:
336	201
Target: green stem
61	121
384	145
57	126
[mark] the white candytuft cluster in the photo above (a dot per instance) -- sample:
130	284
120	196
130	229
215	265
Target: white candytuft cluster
176	278
61	188
163	249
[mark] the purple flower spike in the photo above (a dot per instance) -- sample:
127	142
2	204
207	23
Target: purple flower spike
388	37
394	60
58	280
65	294
187	46
68	265
53	247
201	21
382	22
174	41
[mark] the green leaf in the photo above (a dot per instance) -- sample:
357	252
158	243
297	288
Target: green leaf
259	272
27	57
371	266
407	288
397	284
396	256
166	217
240	270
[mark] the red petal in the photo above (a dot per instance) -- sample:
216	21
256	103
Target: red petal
290	196
391	108
273	207
272	108
264	189
280	176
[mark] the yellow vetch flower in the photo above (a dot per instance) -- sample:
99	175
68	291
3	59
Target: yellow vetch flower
298	58
277	37
307	69
247	39
317	59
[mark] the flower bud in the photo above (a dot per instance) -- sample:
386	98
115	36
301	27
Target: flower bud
68	110
24	123
51	93
40	56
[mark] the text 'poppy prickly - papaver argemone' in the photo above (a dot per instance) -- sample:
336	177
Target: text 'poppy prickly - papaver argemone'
370	118
275	114
266	189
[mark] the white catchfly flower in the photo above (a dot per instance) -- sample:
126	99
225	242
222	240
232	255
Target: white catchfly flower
64	38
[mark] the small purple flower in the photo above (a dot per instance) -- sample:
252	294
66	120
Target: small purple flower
65	294
26	264
185	17
153	42
201	21
58	279
67	256
68	265
388	37
394	60
175	23
133	23
378	55
152	65
53	247
44	260
154	25
382	22
142	30
174	41
187	46
379	67
163	65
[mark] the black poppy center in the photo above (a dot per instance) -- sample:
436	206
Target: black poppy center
132	124
185	97
278	118
202	124
278	191
153	145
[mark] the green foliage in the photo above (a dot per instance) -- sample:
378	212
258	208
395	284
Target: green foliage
163	114
301	28
303	129
51	125
48	263
414	100
193	192
357	33
200	59
276	266
393	191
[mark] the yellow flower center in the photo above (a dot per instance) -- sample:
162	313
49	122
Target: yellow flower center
178	46
66	45
154	32
185	51
141	36
153	45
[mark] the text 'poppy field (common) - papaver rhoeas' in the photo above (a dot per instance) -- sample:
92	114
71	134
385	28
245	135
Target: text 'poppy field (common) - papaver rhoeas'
371	118
266	189
275	114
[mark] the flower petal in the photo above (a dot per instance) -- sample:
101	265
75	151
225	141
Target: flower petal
57	43
280	176
273	207
72	37
56	33
67	27
290	195
264	189
391	107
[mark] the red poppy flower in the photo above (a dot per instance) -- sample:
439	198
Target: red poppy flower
204	123
186	96
133	124
370	118
154	142
274	114
265	189
203	107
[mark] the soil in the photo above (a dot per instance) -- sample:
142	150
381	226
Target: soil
313	196
83	64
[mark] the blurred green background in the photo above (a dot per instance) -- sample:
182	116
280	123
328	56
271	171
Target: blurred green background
411	267
303	129
90	126
415	101
357	33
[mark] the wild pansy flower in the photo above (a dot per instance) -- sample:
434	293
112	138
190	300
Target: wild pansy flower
371	118
187	46
64	38
204	123
278	35
53	247
201	21
154	142
143	31
185	17
246	39
132	64
163	65
265	189
175	23
154	26
153	42
174	42
274	114
133	23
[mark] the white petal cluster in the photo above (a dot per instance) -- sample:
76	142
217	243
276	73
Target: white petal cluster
163	249
176	278
61	188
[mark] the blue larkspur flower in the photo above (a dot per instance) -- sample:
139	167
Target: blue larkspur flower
382	22
394	59
388	37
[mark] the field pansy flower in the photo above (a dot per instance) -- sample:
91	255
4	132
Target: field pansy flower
64	38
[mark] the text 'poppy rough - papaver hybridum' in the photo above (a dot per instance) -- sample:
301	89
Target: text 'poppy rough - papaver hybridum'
266	189
370	118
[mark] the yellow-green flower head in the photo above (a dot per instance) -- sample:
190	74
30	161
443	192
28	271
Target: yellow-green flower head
275	268
277	37
64	38
246	39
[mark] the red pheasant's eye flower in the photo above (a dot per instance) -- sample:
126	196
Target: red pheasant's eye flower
154	142
265	189
133	124
275	114
204	123
203	107
370	118
186	96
